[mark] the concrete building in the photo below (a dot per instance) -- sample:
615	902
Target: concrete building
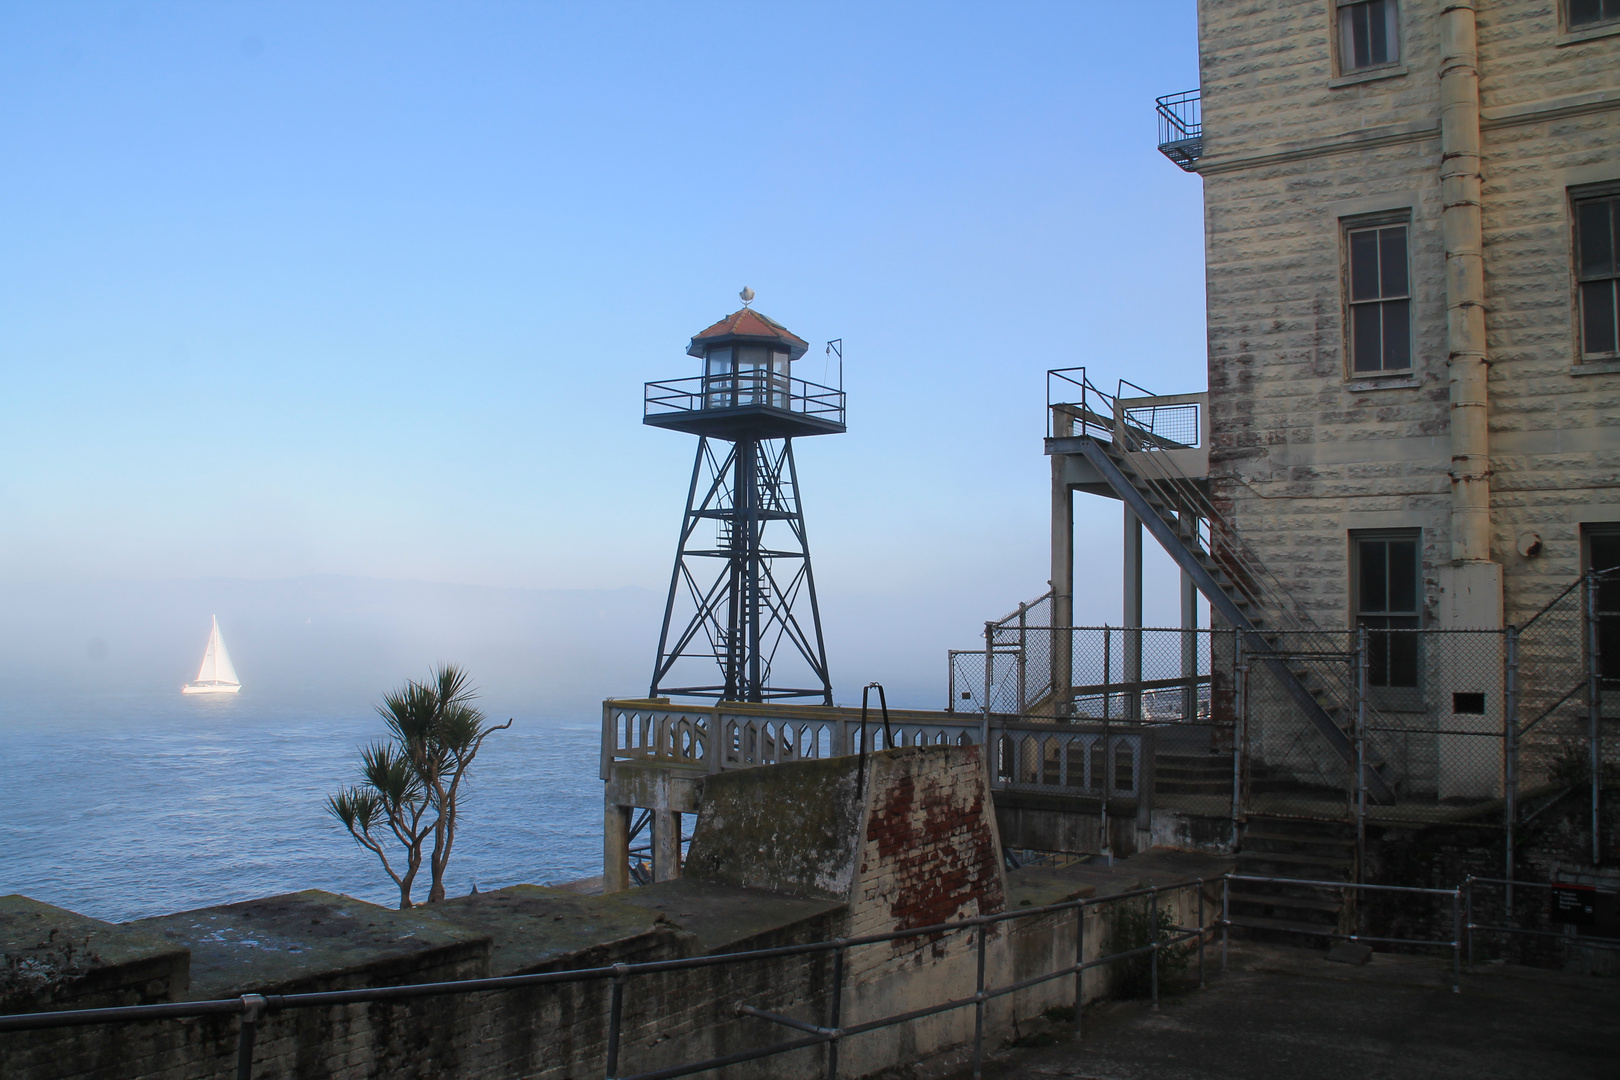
1410	231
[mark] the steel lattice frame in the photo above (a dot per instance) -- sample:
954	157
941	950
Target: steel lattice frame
742	589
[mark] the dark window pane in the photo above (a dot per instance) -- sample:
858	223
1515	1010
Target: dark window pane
1597	318
1582	12
1378	27
1392	261
1377	654
1374	576
1397	334
1605	552
1596	238
1403	574
1353	28
1364	337
1364	265
1403	657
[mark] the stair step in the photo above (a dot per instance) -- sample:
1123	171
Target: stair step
1299	908
1284	930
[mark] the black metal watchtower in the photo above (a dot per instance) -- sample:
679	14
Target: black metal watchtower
732	595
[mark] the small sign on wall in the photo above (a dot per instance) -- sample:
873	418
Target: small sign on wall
1574	905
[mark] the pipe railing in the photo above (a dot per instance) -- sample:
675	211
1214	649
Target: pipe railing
252	1008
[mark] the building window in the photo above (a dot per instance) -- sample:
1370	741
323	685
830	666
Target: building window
1388	601
1597	275
1380	300
1584	13
1603	554
1367	35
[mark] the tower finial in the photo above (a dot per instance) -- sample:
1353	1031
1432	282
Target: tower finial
747	295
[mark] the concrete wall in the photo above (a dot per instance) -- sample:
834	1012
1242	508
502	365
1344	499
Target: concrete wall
1303	452
917	846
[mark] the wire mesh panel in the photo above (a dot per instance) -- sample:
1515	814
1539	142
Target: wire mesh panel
1295	767
1435	722
1554	700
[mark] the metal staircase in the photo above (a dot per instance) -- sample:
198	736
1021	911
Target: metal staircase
1123	448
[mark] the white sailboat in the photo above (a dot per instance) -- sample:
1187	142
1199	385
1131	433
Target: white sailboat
216	676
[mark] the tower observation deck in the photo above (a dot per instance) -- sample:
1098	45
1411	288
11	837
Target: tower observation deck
742	578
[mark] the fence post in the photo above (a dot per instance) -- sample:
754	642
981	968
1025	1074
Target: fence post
1153	940
989	667
1079	965
1226	916
1510	755
836	1020
1468	883
1361	756
950	681
252	1008
1594	705
1456	941
978	1007
1200	933
1240	727
615	1019
1023	690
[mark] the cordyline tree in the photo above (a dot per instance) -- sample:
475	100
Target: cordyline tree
409	784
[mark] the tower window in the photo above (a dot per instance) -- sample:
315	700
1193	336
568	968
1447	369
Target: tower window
1584	13
1368	35
1380	300
1597	275
1389	598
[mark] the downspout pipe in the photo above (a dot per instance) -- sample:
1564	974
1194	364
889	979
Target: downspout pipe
1465	284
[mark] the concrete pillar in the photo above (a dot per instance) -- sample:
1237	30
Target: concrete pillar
1131	643
1189	625
666	845
616	848
1062	579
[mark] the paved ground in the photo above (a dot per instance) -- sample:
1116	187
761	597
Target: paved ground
1289	1013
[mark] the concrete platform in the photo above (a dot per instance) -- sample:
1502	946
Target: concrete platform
1287	1013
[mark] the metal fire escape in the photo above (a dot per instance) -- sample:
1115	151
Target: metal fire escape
1181	128
1135	460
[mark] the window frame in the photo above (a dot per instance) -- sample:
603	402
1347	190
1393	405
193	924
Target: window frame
1608	615
1337	37
1578	197
1572	27
1391	698
1363	223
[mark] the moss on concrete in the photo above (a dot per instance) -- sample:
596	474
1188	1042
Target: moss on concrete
309	940
792	828
58	958
535	928
726	918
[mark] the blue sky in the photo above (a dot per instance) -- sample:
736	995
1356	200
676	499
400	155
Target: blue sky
371	289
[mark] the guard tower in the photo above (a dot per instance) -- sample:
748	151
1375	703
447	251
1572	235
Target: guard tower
742	567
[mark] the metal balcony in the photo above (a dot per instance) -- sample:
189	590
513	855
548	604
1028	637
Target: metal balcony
1181	128
745	404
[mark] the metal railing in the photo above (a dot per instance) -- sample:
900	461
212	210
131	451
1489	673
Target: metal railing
1181	127
253	1008
745	389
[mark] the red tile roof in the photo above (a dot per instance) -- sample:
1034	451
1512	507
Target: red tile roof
749	325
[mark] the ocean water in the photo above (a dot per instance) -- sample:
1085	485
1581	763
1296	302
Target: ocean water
124	805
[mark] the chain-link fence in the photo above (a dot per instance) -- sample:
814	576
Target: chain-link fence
1379	724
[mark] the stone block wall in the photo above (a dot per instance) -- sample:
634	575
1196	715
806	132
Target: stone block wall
1302	451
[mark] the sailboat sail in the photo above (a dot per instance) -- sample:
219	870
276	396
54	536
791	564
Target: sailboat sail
217	674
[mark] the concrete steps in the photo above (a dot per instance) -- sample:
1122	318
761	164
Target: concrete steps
1299	849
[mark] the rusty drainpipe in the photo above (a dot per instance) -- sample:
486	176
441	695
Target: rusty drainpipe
1465	284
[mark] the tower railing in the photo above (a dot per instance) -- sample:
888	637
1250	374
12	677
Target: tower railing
744	389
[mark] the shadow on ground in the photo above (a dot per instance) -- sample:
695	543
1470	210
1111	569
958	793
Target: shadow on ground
1280	1012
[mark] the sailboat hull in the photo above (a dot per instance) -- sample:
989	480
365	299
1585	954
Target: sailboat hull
211	688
